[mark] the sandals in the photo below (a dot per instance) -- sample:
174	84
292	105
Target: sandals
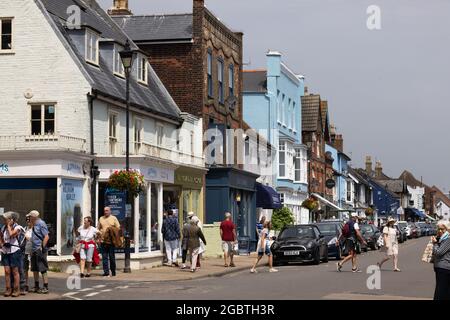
338	267
253	271
225	265
356	270
397	270
232	265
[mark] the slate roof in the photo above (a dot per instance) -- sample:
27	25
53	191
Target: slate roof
363	173
255	81
358	176
310	112
153	98
394	185
151	28
410	180
439	195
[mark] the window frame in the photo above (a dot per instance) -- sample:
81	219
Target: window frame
117	61
294	122
349	191
283	110
231	84
88	56
297	160
11	34
116	127
282	149
209	73
140	132
159	134
140	69
220	80
279	106
42	120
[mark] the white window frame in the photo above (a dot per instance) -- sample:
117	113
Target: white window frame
119	70
138	144
159	134
91	35
192	143
113	141
279	106
142	68
349	190
12	34
42	119
298	159
282	197
282	149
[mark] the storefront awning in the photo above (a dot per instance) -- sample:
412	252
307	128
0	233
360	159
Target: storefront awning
418	213
267	197
328	203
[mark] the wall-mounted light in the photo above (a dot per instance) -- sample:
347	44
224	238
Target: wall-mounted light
238	197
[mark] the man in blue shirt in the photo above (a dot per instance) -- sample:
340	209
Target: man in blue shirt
39	263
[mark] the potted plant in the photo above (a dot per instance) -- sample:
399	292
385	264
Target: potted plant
131	181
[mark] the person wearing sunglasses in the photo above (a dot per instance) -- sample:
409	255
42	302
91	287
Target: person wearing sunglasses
441	260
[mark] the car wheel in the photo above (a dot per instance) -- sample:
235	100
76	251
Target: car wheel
317	257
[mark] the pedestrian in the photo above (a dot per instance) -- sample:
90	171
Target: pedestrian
441	261
87	235
39	251
192	214
22	242
390	244
195	234
171	235
11	255
228	236
185	242
351	234
264	248
27	252
108	224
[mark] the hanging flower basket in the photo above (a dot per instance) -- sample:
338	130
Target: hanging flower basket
311	204
131	181
369	211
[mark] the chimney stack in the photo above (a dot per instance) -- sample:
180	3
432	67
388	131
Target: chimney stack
338	142
369	165
120	8
306	90
378	169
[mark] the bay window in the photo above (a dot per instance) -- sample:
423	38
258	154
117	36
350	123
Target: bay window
282	159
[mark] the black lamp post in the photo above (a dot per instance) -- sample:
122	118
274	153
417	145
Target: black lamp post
127	56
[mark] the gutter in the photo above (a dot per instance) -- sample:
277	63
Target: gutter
94	169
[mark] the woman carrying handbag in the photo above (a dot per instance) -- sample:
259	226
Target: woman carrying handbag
87	247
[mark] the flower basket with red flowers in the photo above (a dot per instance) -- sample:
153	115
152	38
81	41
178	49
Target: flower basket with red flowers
311	204
131	181
369	211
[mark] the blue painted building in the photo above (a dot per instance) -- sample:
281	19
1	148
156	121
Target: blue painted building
272	102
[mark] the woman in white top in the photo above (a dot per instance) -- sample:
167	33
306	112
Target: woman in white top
390	244
87	236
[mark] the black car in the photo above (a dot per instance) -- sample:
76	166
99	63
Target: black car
370	233
331	231
300	243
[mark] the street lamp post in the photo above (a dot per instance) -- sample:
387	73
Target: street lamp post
127	60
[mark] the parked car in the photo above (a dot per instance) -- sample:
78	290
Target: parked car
425	228
331	229
419	229
400	234
370	233
433	226
300	243
405	227
415	231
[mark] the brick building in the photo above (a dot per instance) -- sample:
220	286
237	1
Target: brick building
199	60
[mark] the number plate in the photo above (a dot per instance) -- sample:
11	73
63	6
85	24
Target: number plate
292	253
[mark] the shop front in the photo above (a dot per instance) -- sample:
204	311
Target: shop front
187	194
57	188
233	190
147	210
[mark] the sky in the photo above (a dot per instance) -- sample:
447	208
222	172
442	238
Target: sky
387	89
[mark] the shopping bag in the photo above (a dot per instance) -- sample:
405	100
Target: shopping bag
428	253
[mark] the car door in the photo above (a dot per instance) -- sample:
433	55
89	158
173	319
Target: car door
320	242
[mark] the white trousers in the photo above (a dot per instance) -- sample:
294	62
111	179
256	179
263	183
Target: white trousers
171	251
194	255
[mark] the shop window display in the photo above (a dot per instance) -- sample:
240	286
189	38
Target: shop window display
155	245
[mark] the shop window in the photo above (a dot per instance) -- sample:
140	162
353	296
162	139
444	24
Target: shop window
42	119
113	141
6	34
155	240
143	230
71	213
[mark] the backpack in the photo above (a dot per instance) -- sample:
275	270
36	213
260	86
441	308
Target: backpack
20	238
348	229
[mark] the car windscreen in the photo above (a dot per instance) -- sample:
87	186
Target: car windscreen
328	228
366	229
403	224
297	232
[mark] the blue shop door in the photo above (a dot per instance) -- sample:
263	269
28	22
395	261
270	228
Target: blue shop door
242	212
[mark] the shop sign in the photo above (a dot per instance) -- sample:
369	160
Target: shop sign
4	168
181	178
116	200
158	174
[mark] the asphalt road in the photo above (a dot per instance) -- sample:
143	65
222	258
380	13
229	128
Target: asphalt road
302	281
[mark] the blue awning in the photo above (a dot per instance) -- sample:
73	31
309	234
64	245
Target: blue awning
418	213
267	197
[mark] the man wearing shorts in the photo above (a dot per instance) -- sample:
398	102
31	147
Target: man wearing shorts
351	239
39	239
229	238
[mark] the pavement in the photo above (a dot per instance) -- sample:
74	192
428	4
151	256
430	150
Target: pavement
292	282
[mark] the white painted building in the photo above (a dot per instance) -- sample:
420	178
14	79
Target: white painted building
442	209
62	120
416	197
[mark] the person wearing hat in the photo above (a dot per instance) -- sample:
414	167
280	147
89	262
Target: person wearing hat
39	240
351	234
11	254
390	244
194	236
191	214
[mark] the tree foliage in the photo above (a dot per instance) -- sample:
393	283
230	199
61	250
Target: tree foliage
281	218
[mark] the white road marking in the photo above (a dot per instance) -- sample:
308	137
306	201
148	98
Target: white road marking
99	286
106	290
92	294
85	289
122	287
74	298
68	294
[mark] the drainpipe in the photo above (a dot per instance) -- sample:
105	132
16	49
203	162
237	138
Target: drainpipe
94	168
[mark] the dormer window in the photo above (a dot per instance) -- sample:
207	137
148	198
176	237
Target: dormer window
118	65
92	47
6	34
142	71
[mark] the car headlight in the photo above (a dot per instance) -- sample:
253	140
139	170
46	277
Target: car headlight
332	241
310	245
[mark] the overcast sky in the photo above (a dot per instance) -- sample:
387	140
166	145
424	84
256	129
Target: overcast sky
388	90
